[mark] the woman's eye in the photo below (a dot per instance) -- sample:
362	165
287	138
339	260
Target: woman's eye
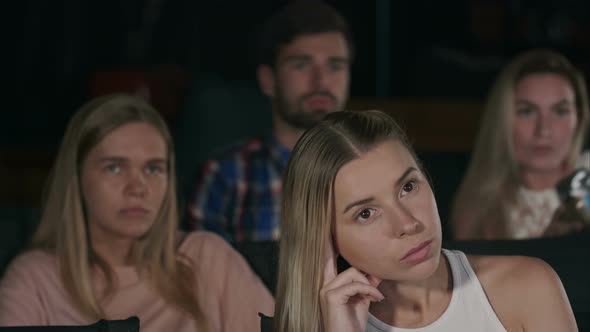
337	66
408	187
114	168
524	112
300	65
562	111
364	215
154	170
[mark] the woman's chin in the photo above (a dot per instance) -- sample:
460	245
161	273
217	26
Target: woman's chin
414	272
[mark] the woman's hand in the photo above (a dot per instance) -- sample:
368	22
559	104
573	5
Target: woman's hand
345	297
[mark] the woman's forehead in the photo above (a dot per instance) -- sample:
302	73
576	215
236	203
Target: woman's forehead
384	163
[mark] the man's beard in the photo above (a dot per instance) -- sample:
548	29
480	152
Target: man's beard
296	116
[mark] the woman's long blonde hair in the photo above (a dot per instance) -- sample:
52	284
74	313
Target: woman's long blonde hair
307	204
63	228
493	178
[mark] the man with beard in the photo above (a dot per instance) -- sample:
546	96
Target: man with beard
305	55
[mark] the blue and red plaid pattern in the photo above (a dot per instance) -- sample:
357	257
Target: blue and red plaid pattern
238	195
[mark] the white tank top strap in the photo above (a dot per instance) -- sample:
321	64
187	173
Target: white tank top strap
468	309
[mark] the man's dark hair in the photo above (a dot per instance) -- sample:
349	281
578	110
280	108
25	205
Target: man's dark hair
302	17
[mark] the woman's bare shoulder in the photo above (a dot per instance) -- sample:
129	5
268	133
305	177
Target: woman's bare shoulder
520	288
509	274
499	265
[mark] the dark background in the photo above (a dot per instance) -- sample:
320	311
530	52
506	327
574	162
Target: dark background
196	57
428	62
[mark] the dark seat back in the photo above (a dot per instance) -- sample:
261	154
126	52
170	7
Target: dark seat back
130	324
263	257
16	228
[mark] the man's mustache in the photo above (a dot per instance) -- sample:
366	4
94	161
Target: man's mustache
319	94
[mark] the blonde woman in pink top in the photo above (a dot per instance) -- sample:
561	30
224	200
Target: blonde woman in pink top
108	246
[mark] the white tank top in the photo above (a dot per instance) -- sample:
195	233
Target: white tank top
468	310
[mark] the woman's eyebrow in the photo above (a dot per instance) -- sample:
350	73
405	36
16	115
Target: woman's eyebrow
356	203
369	199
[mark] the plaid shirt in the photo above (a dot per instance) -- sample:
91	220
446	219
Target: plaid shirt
239	195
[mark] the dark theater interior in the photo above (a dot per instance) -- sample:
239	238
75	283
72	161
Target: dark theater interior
428	64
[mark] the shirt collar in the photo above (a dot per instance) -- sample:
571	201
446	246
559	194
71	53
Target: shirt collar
280	152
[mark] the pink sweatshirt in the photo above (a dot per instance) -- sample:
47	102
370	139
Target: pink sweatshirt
32	292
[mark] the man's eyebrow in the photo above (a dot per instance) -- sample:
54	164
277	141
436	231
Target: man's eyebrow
118	159
297	57
111	159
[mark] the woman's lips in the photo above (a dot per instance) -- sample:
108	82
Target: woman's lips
134	212
542	149
418	254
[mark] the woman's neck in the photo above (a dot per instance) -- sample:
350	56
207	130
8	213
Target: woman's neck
539	180
414	304
114	253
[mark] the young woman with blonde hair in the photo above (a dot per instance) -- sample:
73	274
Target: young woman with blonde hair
108	247
354	190
532	133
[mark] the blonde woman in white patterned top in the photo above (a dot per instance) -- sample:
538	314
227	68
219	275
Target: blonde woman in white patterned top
532	134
